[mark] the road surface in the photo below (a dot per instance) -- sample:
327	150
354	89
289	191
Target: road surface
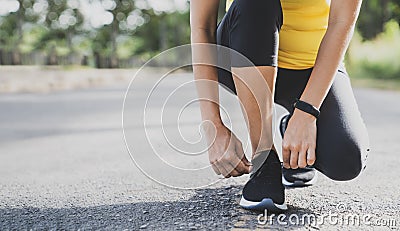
64	165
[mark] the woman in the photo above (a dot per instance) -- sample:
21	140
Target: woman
298	47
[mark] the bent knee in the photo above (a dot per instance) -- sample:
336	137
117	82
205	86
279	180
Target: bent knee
346	171
347	163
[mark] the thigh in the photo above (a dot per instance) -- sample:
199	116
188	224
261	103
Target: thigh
342	142
342	138
254	31
250	28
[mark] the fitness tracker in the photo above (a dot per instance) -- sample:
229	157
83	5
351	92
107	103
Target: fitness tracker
306	107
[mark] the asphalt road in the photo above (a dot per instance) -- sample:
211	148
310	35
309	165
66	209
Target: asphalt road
64	165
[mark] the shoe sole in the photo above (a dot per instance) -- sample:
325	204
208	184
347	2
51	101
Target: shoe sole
299	183
265	204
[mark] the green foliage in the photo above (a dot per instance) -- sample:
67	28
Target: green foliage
11	25
59	29
375	14
11	29
8	34
62	16
101	42
63	22
161	31
105	40
378	58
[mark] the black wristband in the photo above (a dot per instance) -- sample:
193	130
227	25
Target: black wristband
306	107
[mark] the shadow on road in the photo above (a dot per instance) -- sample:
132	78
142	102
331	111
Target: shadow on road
207	209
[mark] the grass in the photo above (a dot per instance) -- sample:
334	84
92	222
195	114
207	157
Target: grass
376	83
376	63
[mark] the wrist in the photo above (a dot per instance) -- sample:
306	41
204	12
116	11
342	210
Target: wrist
303	115
209	125
307	108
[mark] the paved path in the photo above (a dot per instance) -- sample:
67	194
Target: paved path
64	165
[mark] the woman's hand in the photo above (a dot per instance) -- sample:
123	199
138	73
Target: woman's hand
299	141
226	153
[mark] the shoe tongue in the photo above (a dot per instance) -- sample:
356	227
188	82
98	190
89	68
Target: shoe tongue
259	160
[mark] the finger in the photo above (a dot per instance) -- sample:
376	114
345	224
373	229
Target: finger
226	168
302	162
226	174
241	154
247	166
230	165
286	156
216	170
294	156
241	164
311	156
246	161
221	168
241	167
235	173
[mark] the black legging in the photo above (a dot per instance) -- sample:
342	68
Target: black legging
251	27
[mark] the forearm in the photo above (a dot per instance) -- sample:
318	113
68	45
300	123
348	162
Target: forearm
206	76
342	19
330	55
301	134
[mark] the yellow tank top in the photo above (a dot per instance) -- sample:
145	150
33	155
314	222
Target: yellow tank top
304	25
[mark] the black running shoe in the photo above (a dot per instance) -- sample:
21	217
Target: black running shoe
283	124
264	190
300	177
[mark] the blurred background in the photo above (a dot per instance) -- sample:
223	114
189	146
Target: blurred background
126	33
95	33
65	66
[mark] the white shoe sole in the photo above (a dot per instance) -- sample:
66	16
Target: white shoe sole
300	183
265	204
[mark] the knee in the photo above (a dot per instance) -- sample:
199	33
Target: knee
349	162
347	171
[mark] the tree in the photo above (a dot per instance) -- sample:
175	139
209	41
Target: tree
161	31
11	30
63	21
375	14
105	41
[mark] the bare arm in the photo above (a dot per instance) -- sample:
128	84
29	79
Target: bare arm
300	138
203	21
225	150
342	18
